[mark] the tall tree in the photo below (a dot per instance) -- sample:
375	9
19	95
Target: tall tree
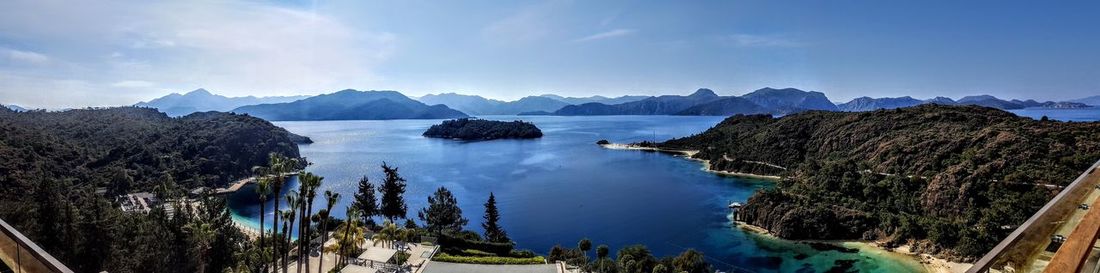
601	256
393	191
493	231
330	200
585	245
292	204
283	241
365	201
310	182
352	235
442	215
202	233
263	189
277	168
48	213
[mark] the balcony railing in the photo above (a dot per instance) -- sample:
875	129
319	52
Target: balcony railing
21	255
1033	245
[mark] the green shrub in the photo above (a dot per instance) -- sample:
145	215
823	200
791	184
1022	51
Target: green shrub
444	257
525	253
476	253
452	242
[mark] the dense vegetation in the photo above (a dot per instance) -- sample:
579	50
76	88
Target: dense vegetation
630	259
949	179
479	129
52	163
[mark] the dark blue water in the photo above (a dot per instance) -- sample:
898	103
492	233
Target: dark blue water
1082	114
563	187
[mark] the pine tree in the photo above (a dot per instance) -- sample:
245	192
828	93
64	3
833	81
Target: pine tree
393	190
493	231
442	215
365	201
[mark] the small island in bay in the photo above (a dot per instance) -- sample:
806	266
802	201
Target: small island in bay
480	129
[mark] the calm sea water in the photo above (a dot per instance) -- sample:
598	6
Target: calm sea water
1082	114
563	187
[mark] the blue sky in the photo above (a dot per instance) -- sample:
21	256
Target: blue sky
99	53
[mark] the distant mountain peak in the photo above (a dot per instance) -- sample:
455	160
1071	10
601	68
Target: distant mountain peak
703	92
790	98
202	100
200	91
978	98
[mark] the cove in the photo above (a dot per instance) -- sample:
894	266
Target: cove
563	187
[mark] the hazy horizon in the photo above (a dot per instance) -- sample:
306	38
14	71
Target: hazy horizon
120	53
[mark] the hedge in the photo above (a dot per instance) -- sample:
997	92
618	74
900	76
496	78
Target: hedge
451	242
444	257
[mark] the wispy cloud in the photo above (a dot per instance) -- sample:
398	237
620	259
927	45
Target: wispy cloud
528	24
133	84
752	40
606	35
233	47
23	56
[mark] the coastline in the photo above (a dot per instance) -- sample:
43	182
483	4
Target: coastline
929	263
689	155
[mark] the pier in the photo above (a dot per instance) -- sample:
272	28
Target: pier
735	209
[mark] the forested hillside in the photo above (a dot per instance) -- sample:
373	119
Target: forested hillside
950	179
51	164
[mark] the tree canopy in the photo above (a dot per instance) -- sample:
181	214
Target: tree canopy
442	213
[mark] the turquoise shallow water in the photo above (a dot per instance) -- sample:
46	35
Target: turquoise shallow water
563	187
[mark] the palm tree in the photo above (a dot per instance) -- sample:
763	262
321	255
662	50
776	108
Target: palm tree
276	169
309	183
585	245
203	234
330	200
292	201
601	255
389	233
350	226
263	188
288	220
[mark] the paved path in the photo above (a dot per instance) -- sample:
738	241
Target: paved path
441	267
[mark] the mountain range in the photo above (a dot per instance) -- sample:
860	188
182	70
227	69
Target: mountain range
1093	100
706	102
351	105
599	99
201	100
14	107
863	104
477	105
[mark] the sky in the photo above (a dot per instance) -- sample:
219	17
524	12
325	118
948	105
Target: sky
77	53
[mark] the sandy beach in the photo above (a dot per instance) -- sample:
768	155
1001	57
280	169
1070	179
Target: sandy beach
931	263
688	154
